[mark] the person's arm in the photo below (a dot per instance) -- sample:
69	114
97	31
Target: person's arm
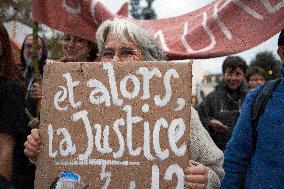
203	150
239	148
32	145
207	111
7	143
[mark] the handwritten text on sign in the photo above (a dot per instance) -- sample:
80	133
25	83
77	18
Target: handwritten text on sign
117	125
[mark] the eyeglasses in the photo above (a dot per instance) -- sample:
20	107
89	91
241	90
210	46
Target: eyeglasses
123	53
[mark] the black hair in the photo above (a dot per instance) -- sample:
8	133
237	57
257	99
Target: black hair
66	37
43	54
93	54
234	62
253	70
281	39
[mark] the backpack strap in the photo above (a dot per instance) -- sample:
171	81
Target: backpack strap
259	103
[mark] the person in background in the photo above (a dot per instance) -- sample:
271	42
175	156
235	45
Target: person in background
257	161
76	49
11	113
25	173
255	76
33	88
122	40
220	109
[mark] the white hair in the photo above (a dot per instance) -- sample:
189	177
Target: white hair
126	30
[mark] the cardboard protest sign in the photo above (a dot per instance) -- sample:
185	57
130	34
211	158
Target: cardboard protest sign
114	125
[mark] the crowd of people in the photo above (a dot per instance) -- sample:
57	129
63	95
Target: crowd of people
253	158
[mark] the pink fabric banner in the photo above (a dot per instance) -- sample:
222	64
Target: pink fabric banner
218	29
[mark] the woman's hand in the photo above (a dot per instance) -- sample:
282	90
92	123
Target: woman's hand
32	145
218	126
34	123
35	91
196	176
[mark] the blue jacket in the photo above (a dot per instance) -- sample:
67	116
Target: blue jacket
264	167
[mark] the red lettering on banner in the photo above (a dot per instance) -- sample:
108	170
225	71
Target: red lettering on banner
70	9
160	36
208	32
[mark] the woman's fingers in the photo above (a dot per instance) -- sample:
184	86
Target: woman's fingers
30	155
35	135
195	185
196	170
32	142
31	149
196	178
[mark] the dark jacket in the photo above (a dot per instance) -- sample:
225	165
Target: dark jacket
12	120
224	105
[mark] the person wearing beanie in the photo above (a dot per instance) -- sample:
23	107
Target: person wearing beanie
255	163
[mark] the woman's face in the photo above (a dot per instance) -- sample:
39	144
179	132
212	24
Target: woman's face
255	80
76	50
28	48
118	51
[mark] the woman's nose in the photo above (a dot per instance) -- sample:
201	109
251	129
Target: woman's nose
70	44
233	77
115	58
260	82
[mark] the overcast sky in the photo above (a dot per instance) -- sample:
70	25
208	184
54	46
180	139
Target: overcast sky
170	8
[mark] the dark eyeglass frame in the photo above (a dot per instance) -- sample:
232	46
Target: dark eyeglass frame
109	53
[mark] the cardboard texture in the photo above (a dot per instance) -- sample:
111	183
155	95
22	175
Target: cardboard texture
114	125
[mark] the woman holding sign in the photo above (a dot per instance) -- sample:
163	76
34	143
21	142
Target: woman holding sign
121	40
